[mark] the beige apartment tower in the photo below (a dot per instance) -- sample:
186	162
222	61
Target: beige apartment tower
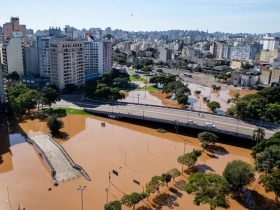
67	62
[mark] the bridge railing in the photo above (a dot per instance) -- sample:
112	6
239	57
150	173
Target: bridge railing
53	171
73	164
250	121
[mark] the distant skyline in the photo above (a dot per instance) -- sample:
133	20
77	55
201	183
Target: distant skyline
234	16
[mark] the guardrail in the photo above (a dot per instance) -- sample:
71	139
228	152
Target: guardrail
73	164
65	154
167	121
253	122
44	156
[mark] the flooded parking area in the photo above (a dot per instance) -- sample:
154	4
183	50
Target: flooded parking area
135	152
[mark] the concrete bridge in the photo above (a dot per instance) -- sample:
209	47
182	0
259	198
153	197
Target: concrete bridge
180	117
61	166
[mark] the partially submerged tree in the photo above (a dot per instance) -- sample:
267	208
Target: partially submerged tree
132	199
269	159
208	188
188	159
113	205
206	139
271	182
166	178
153	185
238	175
54	124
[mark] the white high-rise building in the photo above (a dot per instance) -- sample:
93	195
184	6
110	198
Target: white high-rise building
67	62
269	43
98	56
13	54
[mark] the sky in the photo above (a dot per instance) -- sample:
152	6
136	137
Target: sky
246	16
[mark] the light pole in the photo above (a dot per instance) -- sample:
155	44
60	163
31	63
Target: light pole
82	188
138	97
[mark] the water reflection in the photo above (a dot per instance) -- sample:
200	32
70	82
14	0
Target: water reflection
16	138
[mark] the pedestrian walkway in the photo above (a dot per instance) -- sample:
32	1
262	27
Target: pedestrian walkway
59	162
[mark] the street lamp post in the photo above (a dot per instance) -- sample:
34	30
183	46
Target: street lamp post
82	188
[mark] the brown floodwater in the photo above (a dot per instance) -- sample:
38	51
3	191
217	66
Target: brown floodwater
135	152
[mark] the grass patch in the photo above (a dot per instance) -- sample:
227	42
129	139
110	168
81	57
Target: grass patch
135	78
71	111
150	88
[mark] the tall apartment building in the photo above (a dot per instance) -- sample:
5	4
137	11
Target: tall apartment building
268	55
269	43
43	44
164	54
14	26
219	50
13	54
67	62
2	91
243	52
270	76
31	59
97	56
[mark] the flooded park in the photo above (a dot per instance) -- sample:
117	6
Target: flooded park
135	152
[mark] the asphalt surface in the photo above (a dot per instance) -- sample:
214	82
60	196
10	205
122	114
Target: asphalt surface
221	124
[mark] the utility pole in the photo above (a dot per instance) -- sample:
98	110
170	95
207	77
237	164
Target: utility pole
82	188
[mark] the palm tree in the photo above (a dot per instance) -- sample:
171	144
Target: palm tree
258	135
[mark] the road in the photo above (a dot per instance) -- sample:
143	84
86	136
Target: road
227	125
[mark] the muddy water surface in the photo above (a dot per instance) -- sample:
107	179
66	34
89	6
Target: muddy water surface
135	152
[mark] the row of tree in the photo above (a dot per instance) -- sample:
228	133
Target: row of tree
130	200
23	99
108	86
264	105
211	188
171	85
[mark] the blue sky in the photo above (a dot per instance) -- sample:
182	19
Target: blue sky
254	16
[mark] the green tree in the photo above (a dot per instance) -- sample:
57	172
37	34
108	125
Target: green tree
208	188
261	146
188	159
50	95
238	175
113	205
258	135
271	182
166	178
132	199
182	99
153	185
206	139
147	68
268	159
272	112
14	76
214	105
54	124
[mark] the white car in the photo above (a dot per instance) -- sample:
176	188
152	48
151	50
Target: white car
190	122
210	125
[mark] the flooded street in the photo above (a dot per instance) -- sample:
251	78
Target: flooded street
135	152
